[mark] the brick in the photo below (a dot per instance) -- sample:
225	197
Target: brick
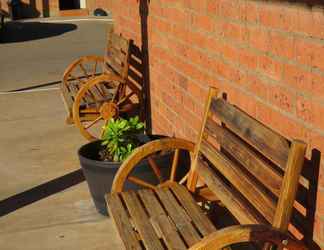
280	122
232	31
278	16
270	67
198	6
304	109
248	59
310	53
281	97
320	202
212	7
229	9
248	12
161	25
319	229
311	21
317	112
176	15
257	87
282	45
258	39
311	111
231	53
202	22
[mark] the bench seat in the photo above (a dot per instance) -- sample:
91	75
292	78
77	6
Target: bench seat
166	218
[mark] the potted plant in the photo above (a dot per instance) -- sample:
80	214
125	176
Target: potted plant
101	159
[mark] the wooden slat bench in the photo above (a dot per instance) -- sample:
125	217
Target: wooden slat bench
91	81
248	168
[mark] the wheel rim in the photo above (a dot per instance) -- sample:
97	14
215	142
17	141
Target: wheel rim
82	70
123	101
176	148
93	106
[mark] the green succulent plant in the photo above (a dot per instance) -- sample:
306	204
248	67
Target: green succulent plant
119	137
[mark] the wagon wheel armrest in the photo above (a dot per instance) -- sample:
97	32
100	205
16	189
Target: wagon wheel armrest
80	59
143	151
248	233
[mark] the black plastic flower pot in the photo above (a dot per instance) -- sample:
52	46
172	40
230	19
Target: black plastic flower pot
100	174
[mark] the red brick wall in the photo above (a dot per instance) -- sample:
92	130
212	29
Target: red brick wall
267	55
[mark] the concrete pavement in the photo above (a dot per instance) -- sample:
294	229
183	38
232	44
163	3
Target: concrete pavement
37	52
46	203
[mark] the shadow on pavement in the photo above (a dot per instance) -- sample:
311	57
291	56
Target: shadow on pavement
40	192
27	31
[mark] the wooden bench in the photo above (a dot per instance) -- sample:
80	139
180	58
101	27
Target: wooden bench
248	168
98	88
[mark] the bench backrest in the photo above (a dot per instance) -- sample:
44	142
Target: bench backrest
117	54
253	170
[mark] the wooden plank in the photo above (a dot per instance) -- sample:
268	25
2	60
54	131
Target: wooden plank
141	220
198	217
120	217
231	199
193	176
178	216
248	187
272	145
119	42
67	98
159	217
290	185
118	56
254	164
110	62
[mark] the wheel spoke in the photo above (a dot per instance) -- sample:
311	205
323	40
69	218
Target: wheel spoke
89	111
184	178
116	92
95	69
77	79
84	70
128	107
155	168
125	98
140	182
93	122
174	164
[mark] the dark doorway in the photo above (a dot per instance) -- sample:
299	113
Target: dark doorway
69	4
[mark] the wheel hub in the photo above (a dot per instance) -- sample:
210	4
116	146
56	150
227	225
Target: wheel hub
109	110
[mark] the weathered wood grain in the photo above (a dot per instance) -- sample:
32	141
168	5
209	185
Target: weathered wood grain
265	140
231	199
143	225
122	222
248	187
265	173
178	216
160	219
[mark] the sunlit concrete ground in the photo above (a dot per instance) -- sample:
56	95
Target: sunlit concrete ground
37	147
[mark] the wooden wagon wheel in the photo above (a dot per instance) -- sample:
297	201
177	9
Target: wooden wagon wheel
99	100
82	70
224	238
147	152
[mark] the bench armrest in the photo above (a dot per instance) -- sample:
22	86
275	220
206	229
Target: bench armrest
248	233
